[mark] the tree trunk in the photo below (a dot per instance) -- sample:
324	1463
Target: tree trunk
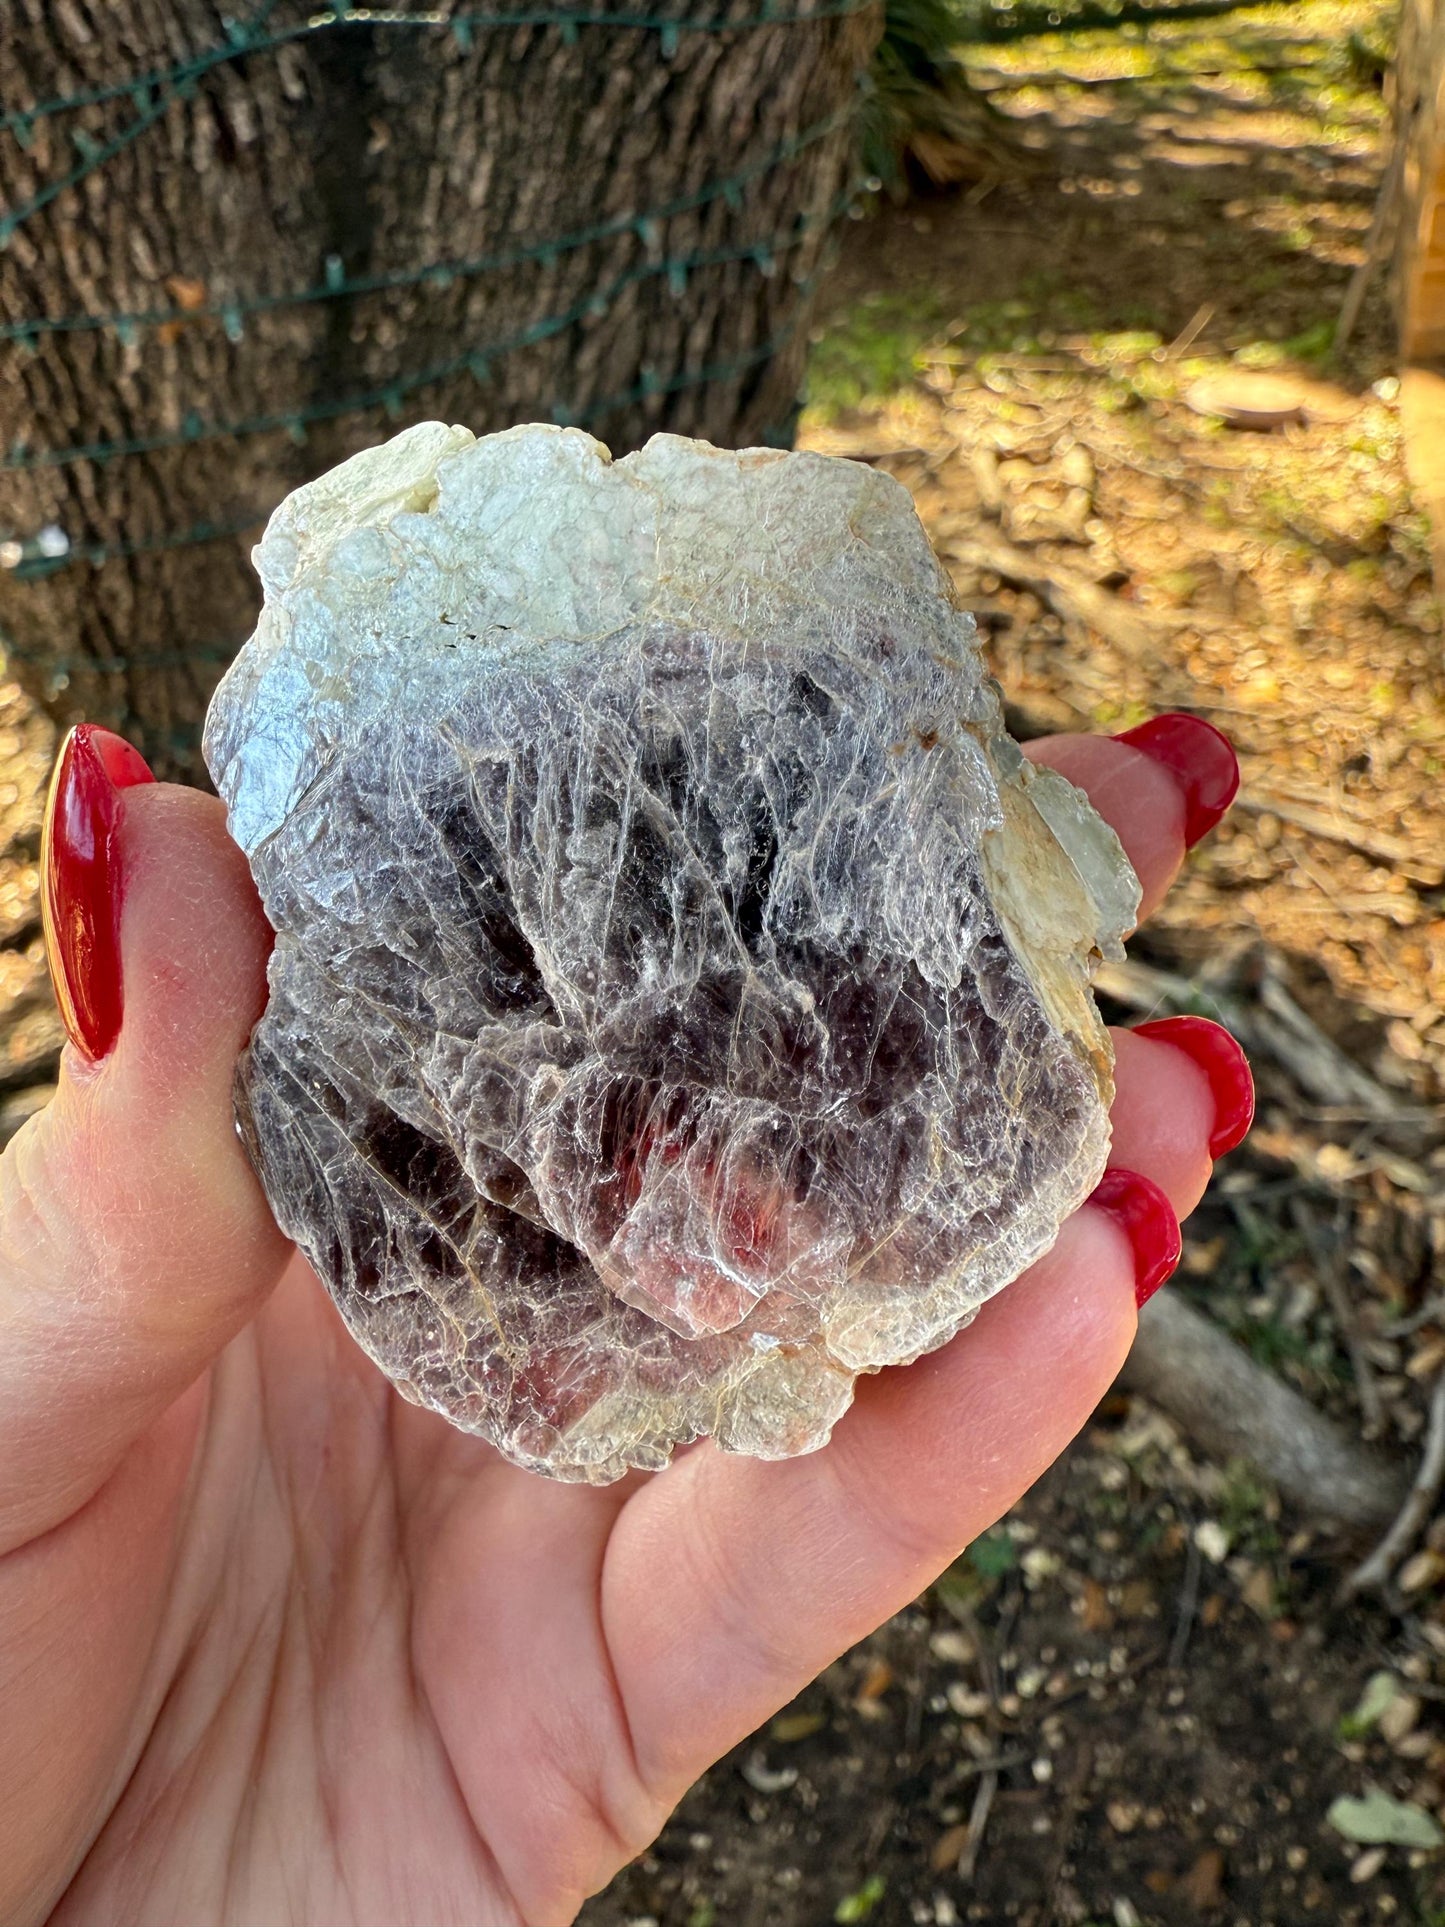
1419	83
296	242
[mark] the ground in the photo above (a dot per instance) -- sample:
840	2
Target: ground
1137	1700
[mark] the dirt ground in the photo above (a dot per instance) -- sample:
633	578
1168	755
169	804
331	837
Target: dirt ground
1136	1701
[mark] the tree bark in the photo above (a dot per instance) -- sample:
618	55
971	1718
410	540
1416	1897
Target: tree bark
705	168
1419	131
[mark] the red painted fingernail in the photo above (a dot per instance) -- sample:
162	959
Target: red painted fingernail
1200	756
1223	1063
82	888
1148	1217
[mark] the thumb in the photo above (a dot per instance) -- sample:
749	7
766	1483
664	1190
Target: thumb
134	1238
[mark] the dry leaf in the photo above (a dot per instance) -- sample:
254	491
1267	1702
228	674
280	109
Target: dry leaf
790	1727
876	1681
946	1849
1203	1886
1094	1609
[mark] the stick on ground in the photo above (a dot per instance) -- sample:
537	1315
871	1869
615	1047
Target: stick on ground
1376	1571
1230	1407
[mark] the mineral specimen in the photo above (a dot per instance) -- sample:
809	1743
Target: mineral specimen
680	995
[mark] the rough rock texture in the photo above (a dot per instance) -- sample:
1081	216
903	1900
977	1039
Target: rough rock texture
680	998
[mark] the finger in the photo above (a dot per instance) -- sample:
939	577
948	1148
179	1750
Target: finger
1160	788
731	1582
134	1239
1162	1118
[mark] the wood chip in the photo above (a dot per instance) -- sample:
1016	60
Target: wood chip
1245	399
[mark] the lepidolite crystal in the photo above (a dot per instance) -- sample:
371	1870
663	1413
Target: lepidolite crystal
680	996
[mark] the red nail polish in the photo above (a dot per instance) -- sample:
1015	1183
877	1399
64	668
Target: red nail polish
1202	759
1148	1217
82	884
1225	1065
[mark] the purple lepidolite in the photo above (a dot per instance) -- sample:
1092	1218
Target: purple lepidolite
680	1001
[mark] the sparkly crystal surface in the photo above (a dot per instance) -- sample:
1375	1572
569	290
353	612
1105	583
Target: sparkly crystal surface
680	995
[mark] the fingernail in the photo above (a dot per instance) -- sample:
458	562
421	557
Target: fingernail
1146	1215
1223	1063
83	886
1200	756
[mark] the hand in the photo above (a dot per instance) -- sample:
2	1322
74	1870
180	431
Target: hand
278	1647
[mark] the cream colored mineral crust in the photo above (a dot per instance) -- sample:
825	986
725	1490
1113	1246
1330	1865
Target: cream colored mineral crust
680	1001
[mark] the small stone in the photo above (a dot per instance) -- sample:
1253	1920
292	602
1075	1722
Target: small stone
1212	1540
762	1779
680	999
954	1648
1398	1719
968	1704
1421	1571
1367	1865
1039	1564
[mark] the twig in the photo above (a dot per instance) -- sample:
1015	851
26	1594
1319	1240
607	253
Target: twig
1315	1060
1374	247
1188	1601
872	455
882	1823
1186	338
987	1671
1392	851
1273	1023
1328	1259
1141	986
1145	1663
1070	595
996	1763
1070	1801
1375	1572
978	1822
1232	1408
1432	1312
917	1694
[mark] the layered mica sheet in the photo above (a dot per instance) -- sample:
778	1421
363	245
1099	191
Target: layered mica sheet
679	1002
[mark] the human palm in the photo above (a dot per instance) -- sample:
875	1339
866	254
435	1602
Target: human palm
276	1646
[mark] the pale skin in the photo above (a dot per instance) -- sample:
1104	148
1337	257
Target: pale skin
276	1646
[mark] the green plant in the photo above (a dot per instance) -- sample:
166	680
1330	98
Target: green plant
994	1554
871	352
859	1904
921	108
